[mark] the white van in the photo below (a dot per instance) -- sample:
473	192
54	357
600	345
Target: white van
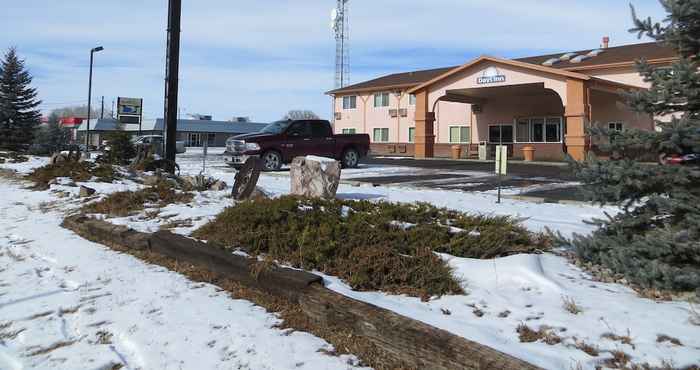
159	140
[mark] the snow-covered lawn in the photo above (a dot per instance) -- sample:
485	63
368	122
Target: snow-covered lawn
66	303
502	294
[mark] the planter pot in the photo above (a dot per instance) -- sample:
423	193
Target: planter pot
529	153
456	151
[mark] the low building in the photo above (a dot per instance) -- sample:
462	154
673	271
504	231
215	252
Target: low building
545	102
193	132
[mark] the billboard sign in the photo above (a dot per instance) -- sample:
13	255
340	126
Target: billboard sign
129	110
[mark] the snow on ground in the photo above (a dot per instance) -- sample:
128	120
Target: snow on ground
530	290
502	293
66	303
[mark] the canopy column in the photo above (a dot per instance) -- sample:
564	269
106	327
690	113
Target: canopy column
577	113
425	122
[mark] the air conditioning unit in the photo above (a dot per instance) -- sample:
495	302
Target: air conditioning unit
393	113
338	116
403	112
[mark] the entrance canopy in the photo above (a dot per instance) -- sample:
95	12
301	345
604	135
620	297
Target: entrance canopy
490	79
481	95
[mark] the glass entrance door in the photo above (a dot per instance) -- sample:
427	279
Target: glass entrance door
194	139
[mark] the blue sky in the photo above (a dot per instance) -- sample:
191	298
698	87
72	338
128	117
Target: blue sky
263	58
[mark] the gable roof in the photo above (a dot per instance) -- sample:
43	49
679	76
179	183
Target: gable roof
513	63
611	57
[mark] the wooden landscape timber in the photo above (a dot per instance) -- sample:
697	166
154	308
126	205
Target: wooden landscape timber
408	342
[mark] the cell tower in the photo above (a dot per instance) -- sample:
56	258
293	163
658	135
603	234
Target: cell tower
341	29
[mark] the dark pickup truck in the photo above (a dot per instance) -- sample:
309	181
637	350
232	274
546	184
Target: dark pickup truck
280	142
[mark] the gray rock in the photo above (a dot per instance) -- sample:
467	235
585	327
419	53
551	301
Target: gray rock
315	177
58	158
219	185
86	191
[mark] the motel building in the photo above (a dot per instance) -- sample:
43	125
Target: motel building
543	103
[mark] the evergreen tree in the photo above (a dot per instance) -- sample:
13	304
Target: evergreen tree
52	138
655	240
18	102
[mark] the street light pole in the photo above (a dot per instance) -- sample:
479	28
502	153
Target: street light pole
89	108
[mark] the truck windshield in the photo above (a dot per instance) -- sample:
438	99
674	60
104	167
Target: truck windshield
276	127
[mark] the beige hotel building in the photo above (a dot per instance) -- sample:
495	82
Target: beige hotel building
542	102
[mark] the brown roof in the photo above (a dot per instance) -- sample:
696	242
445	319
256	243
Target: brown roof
618	55
612	55
396	80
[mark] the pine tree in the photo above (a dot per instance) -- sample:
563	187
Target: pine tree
18	102
52	138
655	240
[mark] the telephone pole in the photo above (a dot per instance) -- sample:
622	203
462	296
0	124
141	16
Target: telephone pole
171	78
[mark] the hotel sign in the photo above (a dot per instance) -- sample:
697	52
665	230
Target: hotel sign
490	76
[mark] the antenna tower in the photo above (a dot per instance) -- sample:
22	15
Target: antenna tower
341	30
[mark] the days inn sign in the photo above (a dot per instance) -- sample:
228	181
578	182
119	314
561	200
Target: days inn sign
490	76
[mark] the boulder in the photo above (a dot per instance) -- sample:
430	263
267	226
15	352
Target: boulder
86	191
219	185
58	158
315	177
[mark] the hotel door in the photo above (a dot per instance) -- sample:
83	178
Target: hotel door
194	139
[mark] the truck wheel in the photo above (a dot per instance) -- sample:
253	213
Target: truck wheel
272	161
351	158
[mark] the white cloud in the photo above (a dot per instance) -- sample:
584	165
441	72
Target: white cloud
261	58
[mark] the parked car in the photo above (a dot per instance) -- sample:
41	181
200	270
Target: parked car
158	140
280	142
682	159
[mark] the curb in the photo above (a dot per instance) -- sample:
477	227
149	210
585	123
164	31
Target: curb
400	338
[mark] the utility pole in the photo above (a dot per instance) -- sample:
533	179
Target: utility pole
171	78
112	108
102	108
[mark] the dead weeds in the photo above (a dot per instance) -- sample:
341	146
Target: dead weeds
124	203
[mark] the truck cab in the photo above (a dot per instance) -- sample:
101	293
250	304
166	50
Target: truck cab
280	142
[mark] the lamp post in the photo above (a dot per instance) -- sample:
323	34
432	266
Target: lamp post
87	133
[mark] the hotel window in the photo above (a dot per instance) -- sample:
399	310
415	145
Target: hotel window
459	134
537	125
381	100
411	134
615	126
411	99
349	102
498	132
350	131
538	130
381	135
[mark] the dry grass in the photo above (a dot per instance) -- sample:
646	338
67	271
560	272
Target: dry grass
590	349
42	351
544	334
124	203
619	360
661	338
76	171
624	339
571	306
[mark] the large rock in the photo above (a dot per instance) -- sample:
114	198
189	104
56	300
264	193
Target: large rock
315	177
86	191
